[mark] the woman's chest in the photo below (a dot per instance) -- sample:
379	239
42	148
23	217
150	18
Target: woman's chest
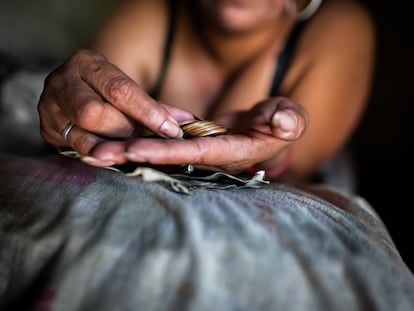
204	89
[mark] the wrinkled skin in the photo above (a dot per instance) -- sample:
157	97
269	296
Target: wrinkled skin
120	107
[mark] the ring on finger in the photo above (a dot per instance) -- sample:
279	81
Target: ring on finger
65	132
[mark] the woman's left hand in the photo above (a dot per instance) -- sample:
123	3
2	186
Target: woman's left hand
257	135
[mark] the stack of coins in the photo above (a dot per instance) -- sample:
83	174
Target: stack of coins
197	128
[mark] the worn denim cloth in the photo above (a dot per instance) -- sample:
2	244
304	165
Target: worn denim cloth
75	237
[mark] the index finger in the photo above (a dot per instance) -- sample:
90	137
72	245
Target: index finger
125	94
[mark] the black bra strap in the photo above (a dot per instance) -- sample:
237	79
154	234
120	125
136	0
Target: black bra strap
285	57
155	93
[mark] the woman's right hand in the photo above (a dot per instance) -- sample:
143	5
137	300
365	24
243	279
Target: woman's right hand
102	102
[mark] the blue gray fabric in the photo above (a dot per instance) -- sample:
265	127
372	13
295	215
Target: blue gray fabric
74	237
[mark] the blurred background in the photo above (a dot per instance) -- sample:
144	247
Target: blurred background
383	143
45	31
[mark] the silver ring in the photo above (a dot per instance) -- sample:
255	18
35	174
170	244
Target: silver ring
66	130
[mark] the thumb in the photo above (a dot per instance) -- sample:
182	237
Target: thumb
281	116
287	124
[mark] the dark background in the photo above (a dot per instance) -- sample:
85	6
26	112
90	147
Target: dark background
383	143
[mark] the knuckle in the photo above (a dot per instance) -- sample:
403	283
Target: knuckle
45	135
85	57
52	81
89	114
41	110
119	89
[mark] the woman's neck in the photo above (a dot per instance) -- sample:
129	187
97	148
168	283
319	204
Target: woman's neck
233	50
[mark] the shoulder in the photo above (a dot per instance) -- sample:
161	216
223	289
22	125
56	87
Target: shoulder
341	33
142	17
343	21
132	33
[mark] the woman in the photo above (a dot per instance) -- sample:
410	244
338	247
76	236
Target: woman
264	69
74	237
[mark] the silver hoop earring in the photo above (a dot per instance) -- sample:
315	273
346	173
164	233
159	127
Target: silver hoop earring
307	12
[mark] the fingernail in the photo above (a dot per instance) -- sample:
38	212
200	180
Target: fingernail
89	159
134	157
286	120
171	129
95	161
